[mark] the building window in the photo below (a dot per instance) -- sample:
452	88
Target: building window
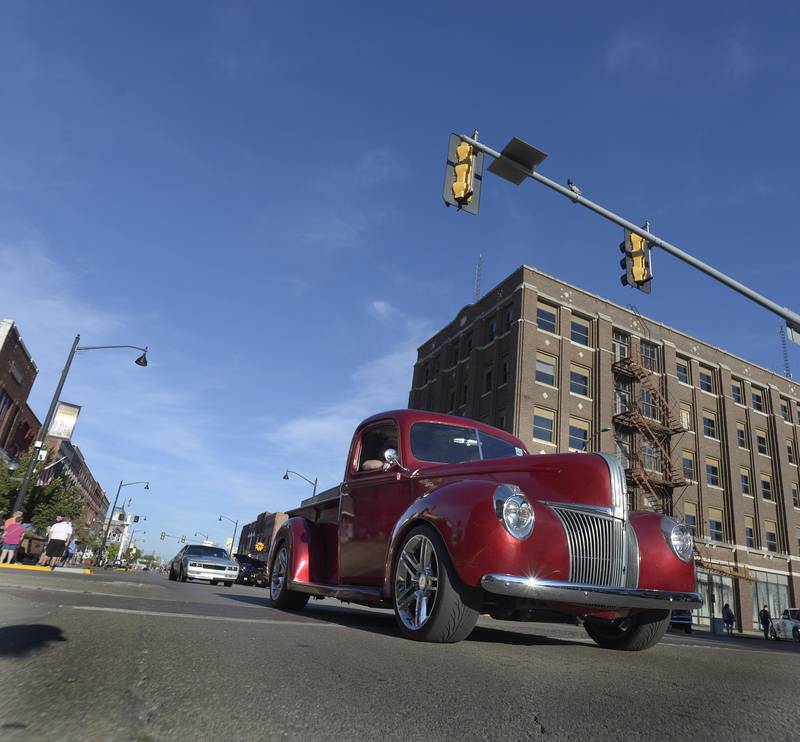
620	345
649	406
547	318
579	331
622	393
744	478
508	317
455	353
771	532
544	424
761	442
501	422
741	435
749	533
766	487
715	530
464	392
688	466
795	495
682	371
736	392
758	400
546	369
690	517
469	343
491	329
650	458
712	472
504	373
790	452
452	401
709	424
487	381
650	356
687	416
785	410
623	442
706	379
579	380
578	434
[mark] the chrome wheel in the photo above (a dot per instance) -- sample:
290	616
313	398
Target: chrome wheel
278	576
416	582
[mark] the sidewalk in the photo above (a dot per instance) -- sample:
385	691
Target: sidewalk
752	638
36	568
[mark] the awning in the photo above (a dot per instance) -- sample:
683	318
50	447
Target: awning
738	574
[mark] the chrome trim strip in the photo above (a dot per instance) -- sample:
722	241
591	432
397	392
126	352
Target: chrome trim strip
592	596
596	509
619	488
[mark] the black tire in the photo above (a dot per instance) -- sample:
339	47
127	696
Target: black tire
449	616
181	575
172	576
772	634
633	634
688	629
214	582
279	594
796	634
228	583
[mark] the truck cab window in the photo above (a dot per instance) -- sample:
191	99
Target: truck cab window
375	441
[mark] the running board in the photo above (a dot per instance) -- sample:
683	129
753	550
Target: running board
353	593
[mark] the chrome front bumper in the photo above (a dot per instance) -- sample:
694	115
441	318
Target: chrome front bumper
198	573
591	596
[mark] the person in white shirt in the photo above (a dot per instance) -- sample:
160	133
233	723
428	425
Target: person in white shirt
58	535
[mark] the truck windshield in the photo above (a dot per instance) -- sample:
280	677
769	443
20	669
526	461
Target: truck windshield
452	444
206	551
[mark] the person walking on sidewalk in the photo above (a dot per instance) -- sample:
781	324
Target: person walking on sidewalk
729	618
58	536
765	620
12	537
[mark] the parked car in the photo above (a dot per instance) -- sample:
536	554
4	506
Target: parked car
252	571
201	562
787	626
442	519
681	619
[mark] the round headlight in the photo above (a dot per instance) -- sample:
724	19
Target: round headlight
679	537
514	510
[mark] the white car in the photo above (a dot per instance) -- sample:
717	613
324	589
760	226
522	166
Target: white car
787	626
201	562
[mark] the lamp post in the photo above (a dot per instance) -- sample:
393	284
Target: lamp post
235	526
108	526
40	439
597	433
204	535
313	484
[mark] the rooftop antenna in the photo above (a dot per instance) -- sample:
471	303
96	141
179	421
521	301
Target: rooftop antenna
478	270
787	372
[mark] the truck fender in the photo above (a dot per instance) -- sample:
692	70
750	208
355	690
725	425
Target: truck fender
452	510
296	532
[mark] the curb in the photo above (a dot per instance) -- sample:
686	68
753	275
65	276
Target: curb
37	568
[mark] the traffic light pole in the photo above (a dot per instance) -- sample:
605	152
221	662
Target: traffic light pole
792	318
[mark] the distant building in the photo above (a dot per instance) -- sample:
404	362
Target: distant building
704	435
18	425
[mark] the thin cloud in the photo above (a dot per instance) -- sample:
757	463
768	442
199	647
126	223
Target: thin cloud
740	60
631	49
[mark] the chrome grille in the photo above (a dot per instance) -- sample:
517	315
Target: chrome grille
596	547
631	558
213	566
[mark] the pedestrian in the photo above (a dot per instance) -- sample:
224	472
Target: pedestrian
729	618
13	519
58	536
765	620
72	544
11	539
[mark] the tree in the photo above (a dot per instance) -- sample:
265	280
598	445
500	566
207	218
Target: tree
131	554
111	552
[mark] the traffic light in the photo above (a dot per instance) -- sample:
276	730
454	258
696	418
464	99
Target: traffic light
135	518
183	539
163	535
463	176
636	263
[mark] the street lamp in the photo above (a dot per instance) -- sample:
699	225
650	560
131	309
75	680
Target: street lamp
37	446
597	433
105	535
204	535
235	526
313	484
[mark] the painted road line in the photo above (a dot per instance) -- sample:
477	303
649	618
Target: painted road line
270	621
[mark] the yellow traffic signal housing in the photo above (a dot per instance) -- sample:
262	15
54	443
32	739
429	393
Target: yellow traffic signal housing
463	176
637	262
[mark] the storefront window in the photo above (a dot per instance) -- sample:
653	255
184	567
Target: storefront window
716	590
771	590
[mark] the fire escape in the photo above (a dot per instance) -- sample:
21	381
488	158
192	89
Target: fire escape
645	424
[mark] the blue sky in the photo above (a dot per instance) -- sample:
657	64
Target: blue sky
254	191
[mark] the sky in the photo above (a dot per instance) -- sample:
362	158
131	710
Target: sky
254	191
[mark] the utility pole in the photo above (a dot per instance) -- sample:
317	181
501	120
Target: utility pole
518	161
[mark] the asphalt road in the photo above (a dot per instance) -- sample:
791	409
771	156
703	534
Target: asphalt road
120	656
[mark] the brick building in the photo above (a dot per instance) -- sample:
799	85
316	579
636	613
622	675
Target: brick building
18	425
704	435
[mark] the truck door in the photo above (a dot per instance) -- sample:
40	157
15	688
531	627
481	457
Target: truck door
372	501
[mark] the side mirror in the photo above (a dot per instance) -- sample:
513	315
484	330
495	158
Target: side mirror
391	457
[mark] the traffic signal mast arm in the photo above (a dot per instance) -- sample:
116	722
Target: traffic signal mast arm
792	318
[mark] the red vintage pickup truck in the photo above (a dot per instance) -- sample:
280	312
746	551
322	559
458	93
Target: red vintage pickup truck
442	519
